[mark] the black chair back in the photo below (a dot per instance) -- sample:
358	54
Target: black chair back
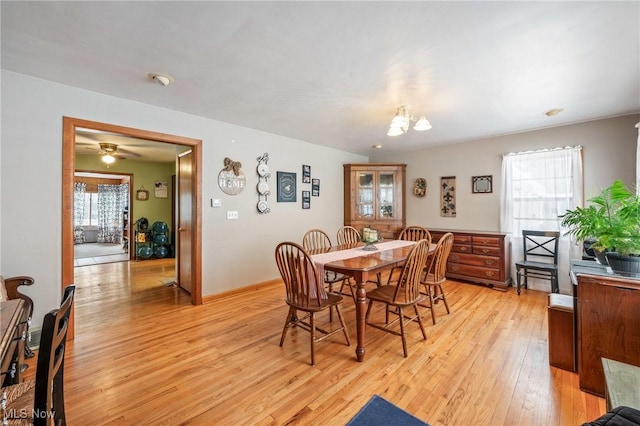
538	245
49	387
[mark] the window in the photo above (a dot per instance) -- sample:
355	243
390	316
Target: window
537	188
90	209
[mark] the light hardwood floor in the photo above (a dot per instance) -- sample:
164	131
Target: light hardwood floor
144	356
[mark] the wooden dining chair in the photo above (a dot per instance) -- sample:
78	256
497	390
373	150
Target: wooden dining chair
405	294
410	233
304	294
436	275
40	402
348	235
318	240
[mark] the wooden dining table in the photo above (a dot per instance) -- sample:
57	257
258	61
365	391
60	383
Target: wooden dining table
361	268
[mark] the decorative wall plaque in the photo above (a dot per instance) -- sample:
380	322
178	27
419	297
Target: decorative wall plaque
231	180
448	196
263	187
420	187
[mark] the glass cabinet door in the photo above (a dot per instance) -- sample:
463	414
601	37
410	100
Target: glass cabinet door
386	186
365	195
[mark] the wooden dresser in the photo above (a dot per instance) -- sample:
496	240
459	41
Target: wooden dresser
480	257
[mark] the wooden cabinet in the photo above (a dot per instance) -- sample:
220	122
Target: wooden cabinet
481	257
374	196
608	319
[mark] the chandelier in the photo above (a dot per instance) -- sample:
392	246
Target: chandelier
400	123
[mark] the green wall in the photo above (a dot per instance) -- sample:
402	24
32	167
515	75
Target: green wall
145	174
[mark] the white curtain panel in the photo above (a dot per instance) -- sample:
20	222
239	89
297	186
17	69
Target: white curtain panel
638	161
538	186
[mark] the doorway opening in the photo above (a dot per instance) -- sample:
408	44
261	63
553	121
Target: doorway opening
191	267
101	228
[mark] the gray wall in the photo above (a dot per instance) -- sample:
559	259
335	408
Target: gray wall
609	153
234	253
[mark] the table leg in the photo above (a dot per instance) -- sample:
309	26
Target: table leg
361	309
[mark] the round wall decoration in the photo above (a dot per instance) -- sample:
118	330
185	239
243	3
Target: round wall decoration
420	187
231	180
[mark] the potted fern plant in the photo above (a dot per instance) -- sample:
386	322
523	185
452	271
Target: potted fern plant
612	221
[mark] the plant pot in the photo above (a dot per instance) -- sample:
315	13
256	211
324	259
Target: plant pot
628	266
601	257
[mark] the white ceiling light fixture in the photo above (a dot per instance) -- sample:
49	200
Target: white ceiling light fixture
162	79
400	123
108	159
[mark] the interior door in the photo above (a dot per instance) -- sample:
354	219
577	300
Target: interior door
185	221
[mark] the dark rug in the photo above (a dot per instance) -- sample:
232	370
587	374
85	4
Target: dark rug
379	411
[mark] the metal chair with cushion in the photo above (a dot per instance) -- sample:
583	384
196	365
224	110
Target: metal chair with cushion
405	294
304	294
540	250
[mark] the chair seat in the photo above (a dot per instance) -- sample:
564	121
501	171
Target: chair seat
19	400
385	294
542	266
331	277
332	299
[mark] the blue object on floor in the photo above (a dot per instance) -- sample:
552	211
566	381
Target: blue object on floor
145	252
379	411
160	251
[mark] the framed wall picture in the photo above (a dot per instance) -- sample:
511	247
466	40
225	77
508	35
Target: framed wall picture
315	187
306	199
482	184
142	194
286	187
306	174
161	189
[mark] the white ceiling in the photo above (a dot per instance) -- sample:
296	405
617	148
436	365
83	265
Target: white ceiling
334	73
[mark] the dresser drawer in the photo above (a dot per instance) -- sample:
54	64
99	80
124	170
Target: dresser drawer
474	271
487	251
462	248
461	239
486	241
474	259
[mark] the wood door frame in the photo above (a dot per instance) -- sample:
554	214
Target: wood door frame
69	125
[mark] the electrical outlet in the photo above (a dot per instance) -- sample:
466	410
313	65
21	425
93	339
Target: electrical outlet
216	202
232	214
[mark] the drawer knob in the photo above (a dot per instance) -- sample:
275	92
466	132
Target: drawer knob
489	273
485	251
489	262
463	248
454	257
454	268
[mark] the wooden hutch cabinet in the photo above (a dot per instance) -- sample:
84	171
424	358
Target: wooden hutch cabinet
374	197
480	257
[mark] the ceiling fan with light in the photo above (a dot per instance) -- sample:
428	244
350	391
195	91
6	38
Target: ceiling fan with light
108	152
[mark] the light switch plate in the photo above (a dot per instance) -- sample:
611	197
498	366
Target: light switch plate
216	202
232	214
